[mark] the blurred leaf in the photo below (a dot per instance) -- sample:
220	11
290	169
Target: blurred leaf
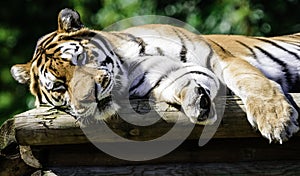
6	99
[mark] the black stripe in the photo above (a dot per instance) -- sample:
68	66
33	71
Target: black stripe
142	44
48	40
51	46
133	68
106	61
119	58
292	42
222	48
40	48
78	35
248	47
153	87
68	38
161	78
160	51
208	58
183	50
95	53
183	54
104	41
43	68
51	67
285	69
118	35
36	88
40	98
77	48
57	49
168	73
99	47
55	99
38	62
191	72
106	50
47	98
96	94
294	37
278	46
141	81
135	39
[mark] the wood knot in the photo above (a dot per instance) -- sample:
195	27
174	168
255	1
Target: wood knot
134	132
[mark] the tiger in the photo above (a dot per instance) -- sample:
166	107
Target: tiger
78	68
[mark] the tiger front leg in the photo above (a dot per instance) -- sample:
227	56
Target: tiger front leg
267	108
194	92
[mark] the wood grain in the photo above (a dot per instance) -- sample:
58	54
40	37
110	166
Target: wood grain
57	141
188	169
46	126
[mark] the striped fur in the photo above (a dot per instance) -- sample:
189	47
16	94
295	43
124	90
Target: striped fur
79	68
278	57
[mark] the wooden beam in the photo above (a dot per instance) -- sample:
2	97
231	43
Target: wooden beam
237	168
46	126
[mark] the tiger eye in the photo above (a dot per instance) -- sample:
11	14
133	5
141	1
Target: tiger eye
80	57
81	60
58	87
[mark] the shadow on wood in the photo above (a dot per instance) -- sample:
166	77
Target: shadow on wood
53	139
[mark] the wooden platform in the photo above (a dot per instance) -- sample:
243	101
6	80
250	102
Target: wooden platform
45	139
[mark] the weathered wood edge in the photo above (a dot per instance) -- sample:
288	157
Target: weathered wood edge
44	126
237	168
7	133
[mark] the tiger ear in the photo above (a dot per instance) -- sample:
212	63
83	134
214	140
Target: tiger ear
20	73
69	21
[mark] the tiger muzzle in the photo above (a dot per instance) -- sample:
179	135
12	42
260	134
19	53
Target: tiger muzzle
90	89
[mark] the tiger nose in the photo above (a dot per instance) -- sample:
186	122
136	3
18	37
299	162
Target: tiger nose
204	102
205	107
204	114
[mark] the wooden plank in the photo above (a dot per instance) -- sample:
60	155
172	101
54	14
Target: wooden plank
187	169
7	134
46	126
58	143
216	150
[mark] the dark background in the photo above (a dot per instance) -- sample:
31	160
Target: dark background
22	22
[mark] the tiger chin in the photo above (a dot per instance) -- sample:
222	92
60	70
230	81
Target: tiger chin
90	94
78	68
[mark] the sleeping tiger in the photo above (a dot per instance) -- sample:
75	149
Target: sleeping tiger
78	68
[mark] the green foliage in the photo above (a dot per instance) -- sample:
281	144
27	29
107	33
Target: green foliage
21	25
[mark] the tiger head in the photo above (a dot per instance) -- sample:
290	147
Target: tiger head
73	68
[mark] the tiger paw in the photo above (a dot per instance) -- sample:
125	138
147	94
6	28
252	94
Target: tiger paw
198	106
274	117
